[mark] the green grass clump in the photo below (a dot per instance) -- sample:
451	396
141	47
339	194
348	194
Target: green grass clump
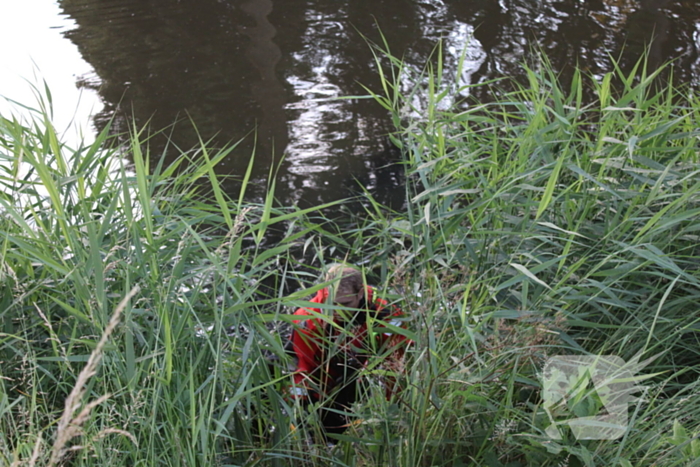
539	225
138	301
180	374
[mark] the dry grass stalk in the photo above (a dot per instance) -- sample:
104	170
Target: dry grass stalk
35	452
117	431
17	462
69	426
235	230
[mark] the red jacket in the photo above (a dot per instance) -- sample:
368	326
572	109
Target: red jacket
327	354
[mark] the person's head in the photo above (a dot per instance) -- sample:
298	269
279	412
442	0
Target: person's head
348	289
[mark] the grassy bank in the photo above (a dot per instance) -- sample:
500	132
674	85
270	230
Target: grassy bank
536	225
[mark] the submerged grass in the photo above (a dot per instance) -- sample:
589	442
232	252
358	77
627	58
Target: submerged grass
536	225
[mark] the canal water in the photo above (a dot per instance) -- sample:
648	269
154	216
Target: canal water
270	73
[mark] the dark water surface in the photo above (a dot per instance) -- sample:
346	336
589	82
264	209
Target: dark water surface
273	67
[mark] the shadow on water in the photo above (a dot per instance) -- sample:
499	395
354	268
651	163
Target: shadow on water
268	71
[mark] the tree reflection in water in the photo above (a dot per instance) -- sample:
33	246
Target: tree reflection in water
272	67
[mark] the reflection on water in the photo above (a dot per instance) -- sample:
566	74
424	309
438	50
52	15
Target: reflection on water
34	49
263	54
270	70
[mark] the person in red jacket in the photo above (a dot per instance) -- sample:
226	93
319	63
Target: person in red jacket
330	351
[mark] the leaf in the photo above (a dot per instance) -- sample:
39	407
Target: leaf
680	436
549	190
555	227
695	448
529	274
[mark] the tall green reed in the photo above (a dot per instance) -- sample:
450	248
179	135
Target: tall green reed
183	379
537	224
540	224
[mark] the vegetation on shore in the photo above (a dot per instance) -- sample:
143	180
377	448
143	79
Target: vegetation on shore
138	303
